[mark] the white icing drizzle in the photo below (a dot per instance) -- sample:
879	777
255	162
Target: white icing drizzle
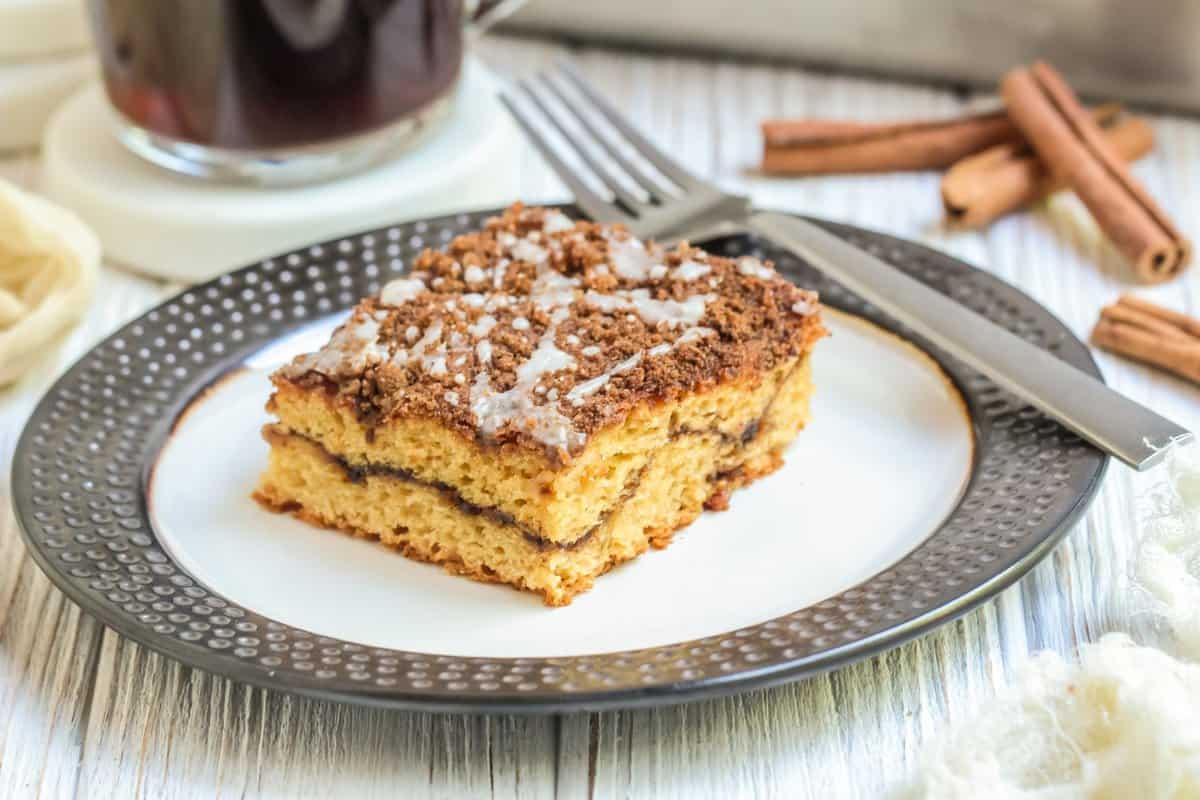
434	356
608	303
556	221
545	423
352	346
691	270
484	351
474	300
552	289
451	398
435	364
433	335
749	265
496	301
474	275
367	330
630	259
692	334
499	272
578	394
482	326
804	307
580	391
525	250
547	357
673	312
401	290
520	324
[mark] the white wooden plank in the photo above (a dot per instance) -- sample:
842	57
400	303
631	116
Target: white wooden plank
161	730
813	739
46	659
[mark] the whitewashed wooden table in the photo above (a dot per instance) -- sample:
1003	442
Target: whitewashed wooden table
85	713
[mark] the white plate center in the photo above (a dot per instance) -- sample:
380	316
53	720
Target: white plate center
850	501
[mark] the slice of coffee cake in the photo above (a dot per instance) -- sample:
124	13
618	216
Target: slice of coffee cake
543	400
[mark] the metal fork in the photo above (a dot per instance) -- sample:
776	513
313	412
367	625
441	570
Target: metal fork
622	177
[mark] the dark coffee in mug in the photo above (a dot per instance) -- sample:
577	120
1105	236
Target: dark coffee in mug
270	74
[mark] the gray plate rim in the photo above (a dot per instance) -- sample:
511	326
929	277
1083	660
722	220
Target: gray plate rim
80	480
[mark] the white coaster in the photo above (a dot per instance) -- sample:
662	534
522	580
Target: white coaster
36	28
190	230
30	92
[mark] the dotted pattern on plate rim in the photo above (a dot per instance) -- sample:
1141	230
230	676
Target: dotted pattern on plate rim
80	494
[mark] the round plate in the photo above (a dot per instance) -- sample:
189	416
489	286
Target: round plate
812	535
83	470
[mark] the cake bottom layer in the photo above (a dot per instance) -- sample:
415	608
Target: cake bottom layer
677	481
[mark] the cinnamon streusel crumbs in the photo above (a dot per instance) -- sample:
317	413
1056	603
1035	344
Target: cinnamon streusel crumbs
540	330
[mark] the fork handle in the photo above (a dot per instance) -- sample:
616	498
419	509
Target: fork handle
1114	423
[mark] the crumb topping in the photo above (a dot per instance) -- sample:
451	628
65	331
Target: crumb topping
542	330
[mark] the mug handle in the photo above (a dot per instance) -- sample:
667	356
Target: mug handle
479	15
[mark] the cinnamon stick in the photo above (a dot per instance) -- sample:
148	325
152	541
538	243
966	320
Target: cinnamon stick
1068	140
823	147
1182	322
1152	334
1010	176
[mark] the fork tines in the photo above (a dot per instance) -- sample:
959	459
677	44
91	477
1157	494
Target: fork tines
612	162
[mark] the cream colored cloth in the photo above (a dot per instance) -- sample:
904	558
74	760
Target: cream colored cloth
1168	563
48	265
1122	721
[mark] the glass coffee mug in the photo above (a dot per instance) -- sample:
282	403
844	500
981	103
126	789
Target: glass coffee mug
280	91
